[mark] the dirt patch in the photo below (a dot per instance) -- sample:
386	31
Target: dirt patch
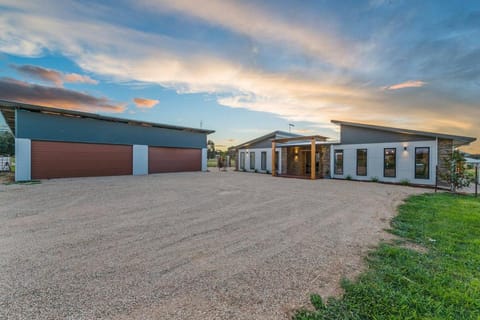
218	245
414	246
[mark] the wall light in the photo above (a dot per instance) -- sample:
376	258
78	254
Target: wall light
404	148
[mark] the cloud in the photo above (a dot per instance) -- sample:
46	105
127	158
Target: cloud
52	76
145	103
261	23
125	55
407	84
20	91
40	73
78	78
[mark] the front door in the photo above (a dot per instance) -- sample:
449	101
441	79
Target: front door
308	162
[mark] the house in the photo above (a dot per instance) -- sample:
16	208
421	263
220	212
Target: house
256	155
366	152
57	143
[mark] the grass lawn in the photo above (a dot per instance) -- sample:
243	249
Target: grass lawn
441	283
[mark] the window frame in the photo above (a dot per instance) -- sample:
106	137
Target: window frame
366	162
263	160
385	162
335	152
252	153
415	163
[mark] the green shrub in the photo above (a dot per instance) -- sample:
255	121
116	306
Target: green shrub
348	177
405	182
374	179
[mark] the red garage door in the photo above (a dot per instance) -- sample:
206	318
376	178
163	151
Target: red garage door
66	159
173	159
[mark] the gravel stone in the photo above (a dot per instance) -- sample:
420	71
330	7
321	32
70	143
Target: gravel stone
217	245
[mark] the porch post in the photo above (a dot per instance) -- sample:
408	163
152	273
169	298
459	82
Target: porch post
313	165
274	173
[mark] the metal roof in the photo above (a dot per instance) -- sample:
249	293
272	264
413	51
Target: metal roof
7	108
271	135
458	140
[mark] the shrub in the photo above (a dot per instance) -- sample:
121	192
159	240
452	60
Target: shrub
374	179
405	182
348	177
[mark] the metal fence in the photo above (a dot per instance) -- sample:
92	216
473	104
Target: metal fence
5	163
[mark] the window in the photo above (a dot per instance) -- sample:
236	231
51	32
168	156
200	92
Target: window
242	160
263	158
252	160
390	162
361	162
338	162
422	163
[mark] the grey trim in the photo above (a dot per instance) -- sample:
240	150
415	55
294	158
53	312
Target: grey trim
403	133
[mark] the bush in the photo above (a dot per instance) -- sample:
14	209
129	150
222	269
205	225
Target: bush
405	182
348	177
374	179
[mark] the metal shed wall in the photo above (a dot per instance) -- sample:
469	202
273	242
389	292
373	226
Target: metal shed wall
40	126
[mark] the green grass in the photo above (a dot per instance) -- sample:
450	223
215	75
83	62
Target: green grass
400	283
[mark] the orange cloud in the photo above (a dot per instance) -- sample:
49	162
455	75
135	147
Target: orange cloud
407	84
52	76
145	103
75	77
55	97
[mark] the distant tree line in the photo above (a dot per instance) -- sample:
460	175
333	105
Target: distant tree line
7	143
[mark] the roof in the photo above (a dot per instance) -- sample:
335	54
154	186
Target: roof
271	135
301	138
472	160
7	108
458	140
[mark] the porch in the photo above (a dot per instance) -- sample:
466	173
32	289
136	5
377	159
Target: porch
297	156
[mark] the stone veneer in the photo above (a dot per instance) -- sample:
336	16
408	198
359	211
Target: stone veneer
325	161
445	150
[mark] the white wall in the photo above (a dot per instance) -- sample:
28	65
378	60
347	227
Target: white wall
258	159
140	160
405	163
23	159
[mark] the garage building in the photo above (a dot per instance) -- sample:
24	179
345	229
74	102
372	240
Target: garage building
58	143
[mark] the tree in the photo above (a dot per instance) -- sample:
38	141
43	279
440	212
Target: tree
457	176
210	149
7	143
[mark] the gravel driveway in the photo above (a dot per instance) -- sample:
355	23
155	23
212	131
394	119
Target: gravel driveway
218	245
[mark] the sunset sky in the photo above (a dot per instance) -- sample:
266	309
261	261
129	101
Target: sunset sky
246	68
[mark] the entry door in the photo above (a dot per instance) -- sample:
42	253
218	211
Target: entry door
308	162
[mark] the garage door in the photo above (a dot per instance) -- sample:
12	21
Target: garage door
66	159
173	159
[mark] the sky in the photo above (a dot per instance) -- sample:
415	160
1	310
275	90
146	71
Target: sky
246	68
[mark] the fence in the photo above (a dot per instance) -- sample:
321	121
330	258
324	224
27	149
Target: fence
5	163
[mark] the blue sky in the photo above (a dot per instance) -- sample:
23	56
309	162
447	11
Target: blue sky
245	68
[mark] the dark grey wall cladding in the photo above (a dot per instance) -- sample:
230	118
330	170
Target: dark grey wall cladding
267	143
356	135
39	126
